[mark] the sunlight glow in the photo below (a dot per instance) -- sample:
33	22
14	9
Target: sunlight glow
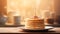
22	8
28	8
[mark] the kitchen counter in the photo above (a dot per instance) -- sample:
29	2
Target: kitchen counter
18	30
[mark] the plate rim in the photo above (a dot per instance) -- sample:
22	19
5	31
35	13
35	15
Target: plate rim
35	29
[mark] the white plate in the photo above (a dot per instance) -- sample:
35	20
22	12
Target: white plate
46	29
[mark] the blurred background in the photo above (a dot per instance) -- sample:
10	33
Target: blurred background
21	9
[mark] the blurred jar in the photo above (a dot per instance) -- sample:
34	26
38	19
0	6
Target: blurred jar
49	18
57	20
17	20
3	19
50	21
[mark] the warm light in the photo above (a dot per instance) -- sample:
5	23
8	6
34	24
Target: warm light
24	6
16	13
27	8
12	4
26	2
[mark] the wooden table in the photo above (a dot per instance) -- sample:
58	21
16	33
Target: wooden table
18	30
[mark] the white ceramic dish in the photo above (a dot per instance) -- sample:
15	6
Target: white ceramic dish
47	28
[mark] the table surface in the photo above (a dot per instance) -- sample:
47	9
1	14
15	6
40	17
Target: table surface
18	30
